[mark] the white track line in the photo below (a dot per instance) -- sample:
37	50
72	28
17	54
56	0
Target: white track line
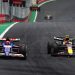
41	5
45	2
7	29
35	16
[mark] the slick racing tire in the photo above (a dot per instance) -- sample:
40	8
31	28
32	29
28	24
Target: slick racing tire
54	50
23	51
49	46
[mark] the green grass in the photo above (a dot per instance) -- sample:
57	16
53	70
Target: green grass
32	17
4	26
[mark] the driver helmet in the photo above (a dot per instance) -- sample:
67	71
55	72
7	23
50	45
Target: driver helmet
66	38
7	40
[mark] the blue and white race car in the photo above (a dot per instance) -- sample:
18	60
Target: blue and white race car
12	47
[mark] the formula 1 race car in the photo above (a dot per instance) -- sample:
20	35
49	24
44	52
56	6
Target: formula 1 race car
11	47
48	17
61	46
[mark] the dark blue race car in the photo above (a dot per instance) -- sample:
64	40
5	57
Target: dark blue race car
61	46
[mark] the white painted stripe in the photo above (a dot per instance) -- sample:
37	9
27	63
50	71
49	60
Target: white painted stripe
7	29
45	2
39	6
35	16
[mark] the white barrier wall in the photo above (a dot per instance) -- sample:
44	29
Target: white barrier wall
4	7
20	12
28	3
0	6
34	2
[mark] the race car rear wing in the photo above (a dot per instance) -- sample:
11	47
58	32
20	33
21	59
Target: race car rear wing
57	38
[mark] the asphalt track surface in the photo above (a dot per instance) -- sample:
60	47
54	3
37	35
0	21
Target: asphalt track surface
36	35
61	10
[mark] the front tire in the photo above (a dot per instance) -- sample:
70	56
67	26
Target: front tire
23	51
49	46
54	50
